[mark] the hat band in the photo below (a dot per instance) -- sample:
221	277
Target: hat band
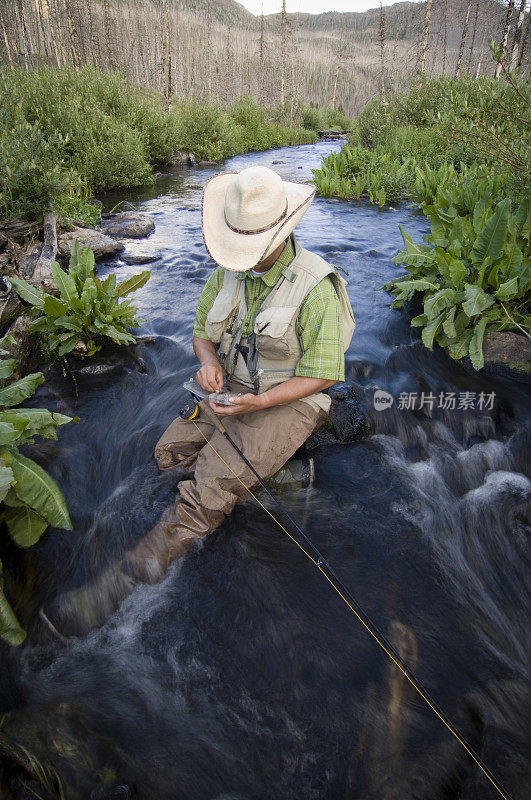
258	230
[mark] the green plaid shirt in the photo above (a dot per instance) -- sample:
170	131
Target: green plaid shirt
319	326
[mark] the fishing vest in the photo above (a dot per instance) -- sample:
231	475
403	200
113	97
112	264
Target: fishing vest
270	354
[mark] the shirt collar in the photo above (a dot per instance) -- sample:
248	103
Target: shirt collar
271	277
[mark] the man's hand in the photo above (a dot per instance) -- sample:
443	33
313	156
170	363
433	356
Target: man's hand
210	376
240	404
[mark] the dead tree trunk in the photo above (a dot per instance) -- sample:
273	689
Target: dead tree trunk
505	39
463	40
72	35
525	44
518	36
445	34
49	249
166	57
381	41
481	46
424	45
6	44
474	32
262	56
283	53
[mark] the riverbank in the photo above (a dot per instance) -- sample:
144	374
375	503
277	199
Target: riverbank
66	135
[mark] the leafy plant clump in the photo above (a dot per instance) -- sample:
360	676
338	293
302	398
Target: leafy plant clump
473	273
30	499
88	310
354	172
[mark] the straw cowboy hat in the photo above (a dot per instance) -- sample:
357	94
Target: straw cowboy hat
247	214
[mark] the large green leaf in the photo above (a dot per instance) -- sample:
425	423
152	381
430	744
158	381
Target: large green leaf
507	290
53	307
7	367
14	394
25	526
475	348
10	630
132	284
6	479
429	332
67	345
6	341
66	285
29	293
9	432
449	324
436	302
39	490
489	244
476	300
35	421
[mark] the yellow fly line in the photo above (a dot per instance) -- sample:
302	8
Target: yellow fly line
351	607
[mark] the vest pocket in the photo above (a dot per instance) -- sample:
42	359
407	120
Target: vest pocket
274	339
219	316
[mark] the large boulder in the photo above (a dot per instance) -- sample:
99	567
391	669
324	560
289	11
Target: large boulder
506	351
127	225
101	244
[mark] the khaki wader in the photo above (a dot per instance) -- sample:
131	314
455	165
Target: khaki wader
267	439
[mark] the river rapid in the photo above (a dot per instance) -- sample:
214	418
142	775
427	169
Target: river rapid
242	675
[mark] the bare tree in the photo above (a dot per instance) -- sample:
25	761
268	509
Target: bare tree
340	52
463	39
474	32
445	34
166	57
524	44
283	52
262	55
505	38
518	36
424	45
381	40
72	35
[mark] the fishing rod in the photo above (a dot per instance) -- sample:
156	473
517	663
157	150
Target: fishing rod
190	412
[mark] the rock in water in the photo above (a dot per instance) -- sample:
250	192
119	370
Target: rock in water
507	351
101	244
140	258
128	225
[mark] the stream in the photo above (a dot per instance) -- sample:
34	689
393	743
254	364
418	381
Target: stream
242	675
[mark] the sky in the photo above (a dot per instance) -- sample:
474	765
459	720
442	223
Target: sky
312	6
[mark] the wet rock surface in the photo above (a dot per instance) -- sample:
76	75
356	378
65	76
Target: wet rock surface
507	351
127	225
140	258
100	243
349	418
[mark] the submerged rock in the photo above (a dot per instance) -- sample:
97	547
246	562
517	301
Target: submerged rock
128	225
101	244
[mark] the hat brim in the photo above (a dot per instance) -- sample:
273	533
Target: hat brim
242	251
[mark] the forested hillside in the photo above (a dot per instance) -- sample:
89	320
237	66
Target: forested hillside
195	48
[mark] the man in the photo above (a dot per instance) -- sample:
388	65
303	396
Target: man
274	320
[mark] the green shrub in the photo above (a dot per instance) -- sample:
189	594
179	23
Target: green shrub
30	499
88	310
474	272
206	130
